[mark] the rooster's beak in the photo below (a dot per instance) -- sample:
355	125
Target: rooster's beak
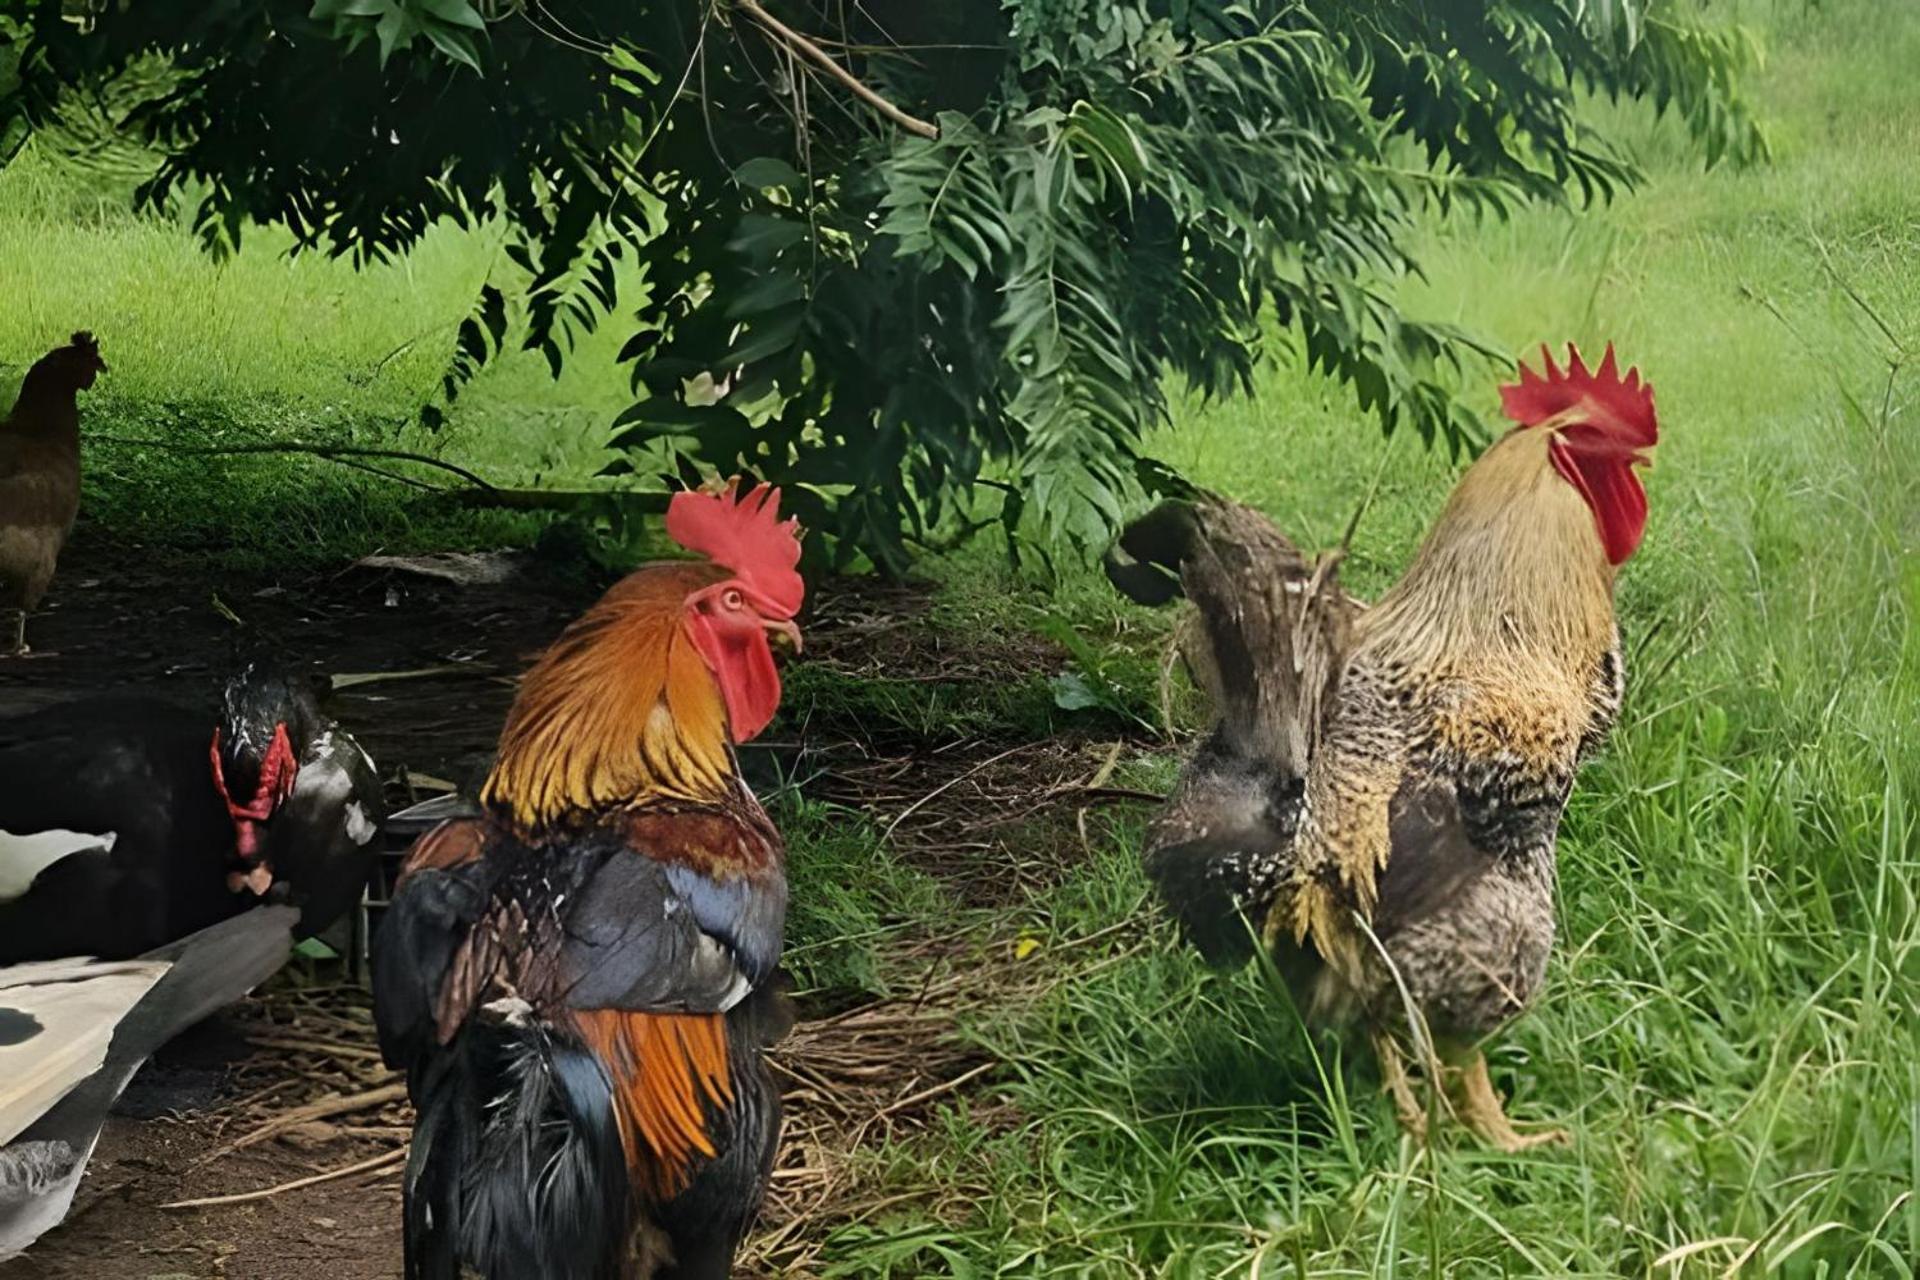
784	635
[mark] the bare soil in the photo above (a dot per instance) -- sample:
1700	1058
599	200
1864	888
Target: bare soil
166	1143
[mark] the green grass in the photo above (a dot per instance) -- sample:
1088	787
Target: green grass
271	348
1731	1025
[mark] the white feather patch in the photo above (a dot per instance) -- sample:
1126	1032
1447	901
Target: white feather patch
360	828
26	856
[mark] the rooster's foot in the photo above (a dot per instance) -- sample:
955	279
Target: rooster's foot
1479	1106
1407	1106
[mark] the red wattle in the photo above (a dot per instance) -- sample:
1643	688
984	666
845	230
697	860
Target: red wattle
742	665
1612	491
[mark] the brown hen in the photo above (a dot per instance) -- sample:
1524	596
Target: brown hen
40	477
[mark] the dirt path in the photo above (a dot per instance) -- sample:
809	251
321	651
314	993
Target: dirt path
121	618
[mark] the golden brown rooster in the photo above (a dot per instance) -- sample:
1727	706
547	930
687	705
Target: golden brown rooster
40	477
1381	795
580	981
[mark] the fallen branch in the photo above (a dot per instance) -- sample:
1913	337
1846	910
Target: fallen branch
334	1105
332	452
364	1166
317	1044
813	53
496	499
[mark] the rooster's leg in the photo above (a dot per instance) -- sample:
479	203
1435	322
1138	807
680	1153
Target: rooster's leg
18	648
1406	1099
1480	1107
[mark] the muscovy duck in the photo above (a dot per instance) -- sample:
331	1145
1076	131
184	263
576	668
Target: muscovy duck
74	1031
127	822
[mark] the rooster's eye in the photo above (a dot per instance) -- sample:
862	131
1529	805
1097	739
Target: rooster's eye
731	600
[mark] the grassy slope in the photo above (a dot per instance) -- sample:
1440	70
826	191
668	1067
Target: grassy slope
1730	1024
269	348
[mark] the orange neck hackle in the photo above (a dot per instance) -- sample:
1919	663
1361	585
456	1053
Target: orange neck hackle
620	710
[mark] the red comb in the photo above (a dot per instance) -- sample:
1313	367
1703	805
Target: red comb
1603	397
745	533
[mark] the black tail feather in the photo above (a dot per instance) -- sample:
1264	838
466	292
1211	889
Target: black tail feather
517	1167
1145	564
1212	888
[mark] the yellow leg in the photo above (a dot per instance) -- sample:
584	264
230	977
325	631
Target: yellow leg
1481	1109
1407	1106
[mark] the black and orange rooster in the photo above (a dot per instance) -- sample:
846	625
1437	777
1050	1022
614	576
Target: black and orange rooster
580	982
1381	795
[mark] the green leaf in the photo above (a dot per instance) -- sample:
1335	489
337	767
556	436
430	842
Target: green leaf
459	13
768	171
327	10
314	949
659	418
457	45
1071	692
396	30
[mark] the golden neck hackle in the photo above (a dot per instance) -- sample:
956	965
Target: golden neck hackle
1511	573
621	710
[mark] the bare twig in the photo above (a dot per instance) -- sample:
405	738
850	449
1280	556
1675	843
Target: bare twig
380	365
954	781
385	474
317	1044
380	1161
336	1105
357	679
1373	490
1107	766
929	1094
333	452
825	61
1091	793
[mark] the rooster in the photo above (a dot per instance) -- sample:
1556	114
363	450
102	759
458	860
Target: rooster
40	477
581	980
1381	795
